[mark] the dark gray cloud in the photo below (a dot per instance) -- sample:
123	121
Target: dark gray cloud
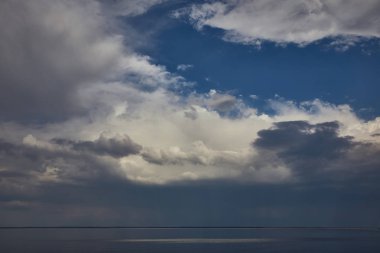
304	139
317	152
25	167
224	106
115	147
222	102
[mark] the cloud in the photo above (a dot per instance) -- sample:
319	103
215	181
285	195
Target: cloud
184	67
199	154
93	132
25	167
295	136
185	138
35	162
254	97
51	50
116	147
300	22
157	134
222	102
147	76
316	152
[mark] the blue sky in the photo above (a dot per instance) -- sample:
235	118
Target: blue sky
189	113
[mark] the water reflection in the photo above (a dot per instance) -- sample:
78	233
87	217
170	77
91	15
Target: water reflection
205	240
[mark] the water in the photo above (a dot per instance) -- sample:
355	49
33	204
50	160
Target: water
182	240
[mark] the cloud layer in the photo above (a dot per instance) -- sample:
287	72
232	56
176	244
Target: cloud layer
111	103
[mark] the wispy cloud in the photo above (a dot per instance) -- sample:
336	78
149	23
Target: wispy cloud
300	22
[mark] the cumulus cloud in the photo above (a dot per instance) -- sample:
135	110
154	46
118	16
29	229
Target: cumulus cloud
300	22
50	50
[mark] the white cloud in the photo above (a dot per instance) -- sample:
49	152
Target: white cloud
145	75
254	97
287	21
184	67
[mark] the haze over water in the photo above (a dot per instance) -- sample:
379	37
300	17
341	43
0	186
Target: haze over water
208	240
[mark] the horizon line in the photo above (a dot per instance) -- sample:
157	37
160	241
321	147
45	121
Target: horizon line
193	227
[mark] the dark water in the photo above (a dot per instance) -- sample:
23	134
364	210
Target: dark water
208	240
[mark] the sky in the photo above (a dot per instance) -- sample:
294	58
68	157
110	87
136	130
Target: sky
189	113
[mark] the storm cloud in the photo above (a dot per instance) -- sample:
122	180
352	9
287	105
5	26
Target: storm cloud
316	152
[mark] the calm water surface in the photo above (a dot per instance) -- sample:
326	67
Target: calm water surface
207	240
